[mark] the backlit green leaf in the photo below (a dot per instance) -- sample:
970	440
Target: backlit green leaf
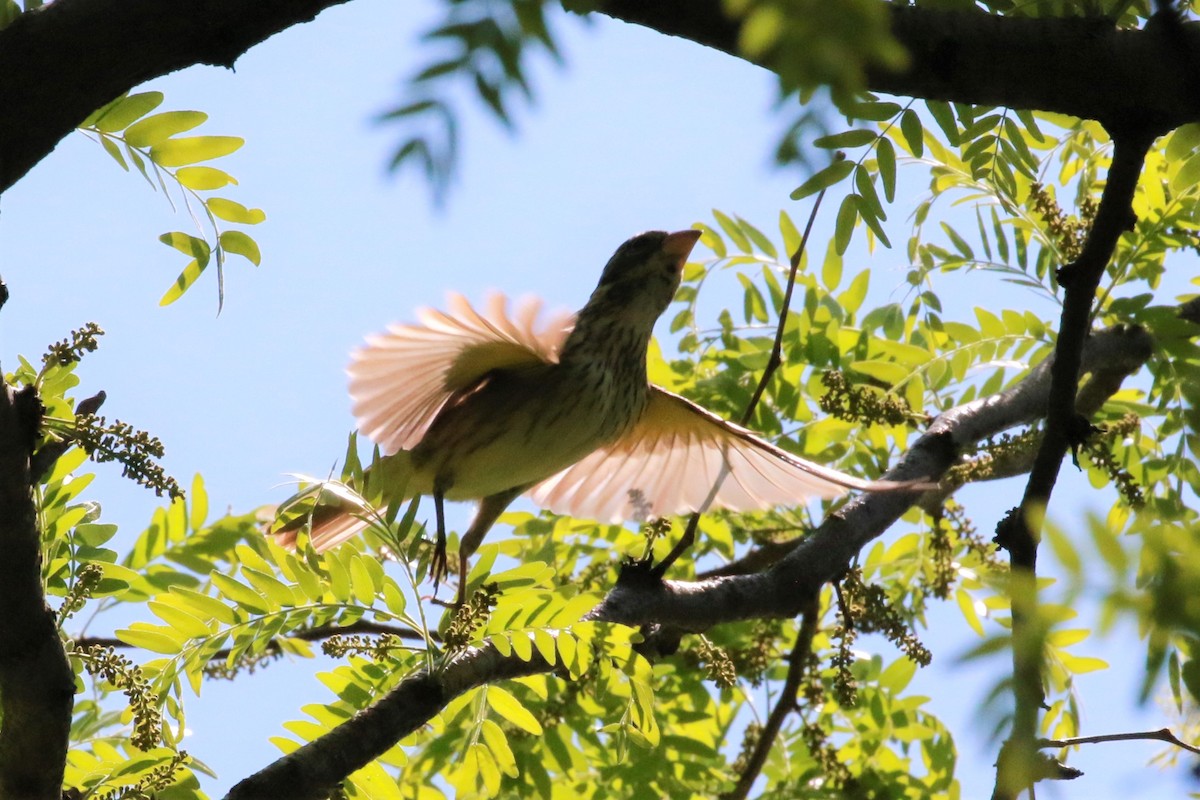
827	177
203	178
158	128
240	243
509	707
123	112
234	212
193	149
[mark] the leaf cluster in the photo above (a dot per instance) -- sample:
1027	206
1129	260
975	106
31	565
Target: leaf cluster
131	134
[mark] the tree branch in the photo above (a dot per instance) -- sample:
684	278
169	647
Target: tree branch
1082	66
1019	533
70	57
1109	357
314	770
1160	735
64	60
37	686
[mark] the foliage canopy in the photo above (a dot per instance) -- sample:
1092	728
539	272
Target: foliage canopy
595	708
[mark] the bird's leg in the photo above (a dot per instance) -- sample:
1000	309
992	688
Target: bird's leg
490	508
437	564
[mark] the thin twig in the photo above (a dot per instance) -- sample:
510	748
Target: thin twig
773	363
784	706
775	360
310	635
1160	735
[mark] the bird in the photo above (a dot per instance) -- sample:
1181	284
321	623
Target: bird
471	404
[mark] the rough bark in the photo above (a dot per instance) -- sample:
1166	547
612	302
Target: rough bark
37	685
1082	66
63	61
60	63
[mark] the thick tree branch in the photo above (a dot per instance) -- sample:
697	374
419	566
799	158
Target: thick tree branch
37	686
63	61
315	770
1077	65
1109	357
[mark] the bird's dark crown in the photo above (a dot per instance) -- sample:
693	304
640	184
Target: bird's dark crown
631	255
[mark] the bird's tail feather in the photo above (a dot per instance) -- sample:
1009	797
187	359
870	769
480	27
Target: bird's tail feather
335	511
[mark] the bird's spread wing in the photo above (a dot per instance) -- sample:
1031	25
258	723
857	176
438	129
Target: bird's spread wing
401	378
680	458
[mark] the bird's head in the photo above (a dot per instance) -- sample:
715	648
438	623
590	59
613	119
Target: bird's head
641	277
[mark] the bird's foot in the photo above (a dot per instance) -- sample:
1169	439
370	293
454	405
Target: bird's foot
439	565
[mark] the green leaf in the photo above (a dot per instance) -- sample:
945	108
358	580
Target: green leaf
193	149
791	236
914	132
198	498
269	586
113	150
186	623
361	585
1082	664
966	604
869	204
852	298
732	231
758	238
835	172
943	115
1190	673
231	211
854	138
960	244
206	605
1188	175
154	638
885	154
94	534
760	30
872	219
191	273
843	228
889	372
754	306
509	707
240	243
873	110
125	111
831	269
160	127
898	675
497	742
203	178
241	594
187	244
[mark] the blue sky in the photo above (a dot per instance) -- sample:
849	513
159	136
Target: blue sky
638	132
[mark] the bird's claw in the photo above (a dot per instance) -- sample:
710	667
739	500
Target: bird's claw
439	565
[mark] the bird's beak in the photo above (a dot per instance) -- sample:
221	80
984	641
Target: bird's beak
679	244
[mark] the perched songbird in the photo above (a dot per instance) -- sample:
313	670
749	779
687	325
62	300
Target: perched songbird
471	405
